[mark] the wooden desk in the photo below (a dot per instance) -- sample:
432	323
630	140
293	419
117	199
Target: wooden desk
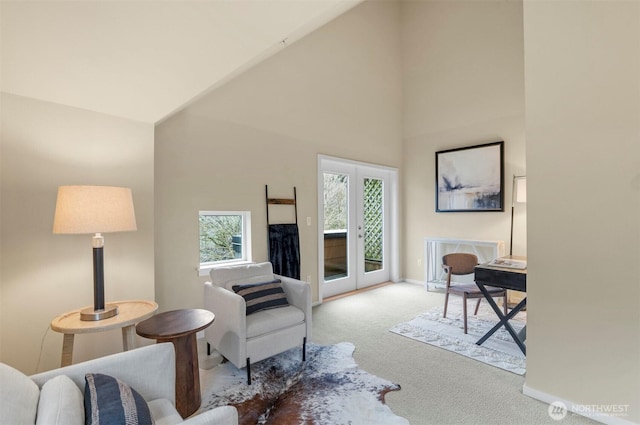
507	278
130	313
180	327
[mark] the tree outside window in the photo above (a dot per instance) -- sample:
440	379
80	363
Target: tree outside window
335	201
223	236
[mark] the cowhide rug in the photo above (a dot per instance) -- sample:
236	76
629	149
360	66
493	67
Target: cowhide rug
328	388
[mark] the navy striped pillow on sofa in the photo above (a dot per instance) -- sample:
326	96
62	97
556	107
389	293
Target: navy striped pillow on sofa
262	296
109	401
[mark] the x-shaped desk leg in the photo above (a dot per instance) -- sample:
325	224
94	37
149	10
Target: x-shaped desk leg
504	320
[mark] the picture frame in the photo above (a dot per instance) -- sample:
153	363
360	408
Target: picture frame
470	179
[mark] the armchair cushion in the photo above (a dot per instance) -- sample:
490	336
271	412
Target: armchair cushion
262	296
108	400
226	277
267	321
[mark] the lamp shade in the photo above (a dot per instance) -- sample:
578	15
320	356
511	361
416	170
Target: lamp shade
94	209
521	189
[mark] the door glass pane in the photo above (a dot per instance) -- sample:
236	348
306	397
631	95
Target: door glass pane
336	209
373	224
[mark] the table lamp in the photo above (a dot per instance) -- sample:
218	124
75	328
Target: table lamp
95	210
519	195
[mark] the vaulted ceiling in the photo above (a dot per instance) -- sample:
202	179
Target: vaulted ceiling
143	60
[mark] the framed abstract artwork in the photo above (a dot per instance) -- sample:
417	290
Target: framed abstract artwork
470	178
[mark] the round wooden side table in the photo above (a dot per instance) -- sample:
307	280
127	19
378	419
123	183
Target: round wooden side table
180	327
130	313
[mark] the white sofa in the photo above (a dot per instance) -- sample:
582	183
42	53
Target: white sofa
50	398
245	339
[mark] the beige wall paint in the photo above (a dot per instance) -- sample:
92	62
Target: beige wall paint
338	92
335	92
463	84
43	146
583	160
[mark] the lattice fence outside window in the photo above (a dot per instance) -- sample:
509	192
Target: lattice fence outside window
373	220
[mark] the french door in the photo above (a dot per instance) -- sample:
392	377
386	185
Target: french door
355	235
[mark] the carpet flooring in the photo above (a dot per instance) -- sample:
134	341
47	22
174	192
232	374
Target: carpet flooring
448	333
327	389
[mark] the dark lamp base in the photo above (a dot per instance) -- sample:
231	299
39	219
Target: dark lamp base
89	314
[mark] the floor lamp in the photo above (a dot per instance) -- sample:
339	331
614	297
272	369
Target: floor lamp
519	195
95	210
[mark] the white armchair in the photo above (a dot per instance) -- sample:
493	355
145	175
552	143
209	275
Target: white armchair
245	339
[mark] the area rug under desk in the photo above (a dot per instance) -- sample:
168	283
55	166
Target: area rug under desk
327	389
447	333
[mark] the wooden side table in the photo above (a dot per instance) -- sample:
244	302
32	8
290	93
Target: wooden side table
130	313
180	327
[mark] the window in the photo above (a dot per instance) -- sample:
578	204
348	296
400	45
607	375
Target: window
225	237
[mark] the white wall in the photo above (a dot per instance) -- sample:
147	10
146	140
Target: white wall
43	146
463	85
583	161
335	92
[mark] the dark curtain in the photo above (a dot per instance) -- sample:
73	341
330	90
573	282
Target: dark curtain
284	249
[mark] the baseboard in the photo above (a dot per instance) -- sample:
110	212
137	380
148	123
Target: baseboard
597	413
417	282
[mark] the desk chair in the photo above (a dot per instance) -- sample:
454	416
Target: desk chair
464	264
